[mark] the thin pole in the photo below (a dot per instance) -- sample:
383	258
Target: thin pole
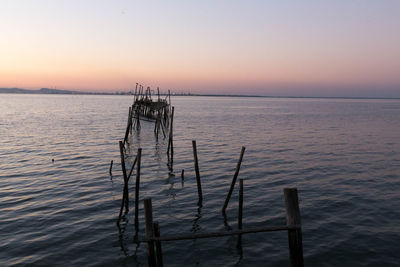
148	215
111	165
133	166
139	157
293	218
240	225
158	245
234	179
240	204
196	167
125	195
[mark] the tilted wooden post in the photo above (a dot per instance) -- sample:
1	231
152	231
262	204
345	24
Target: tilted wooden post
126	193
139	157
196	167
111	165
293	218
148	215
234	179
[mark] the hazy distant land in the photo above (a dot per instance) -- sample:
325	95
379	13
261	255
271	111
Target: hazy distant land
70	92
51	91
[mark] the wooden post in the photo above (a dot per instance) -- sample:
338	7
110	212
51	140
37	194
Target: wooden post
130	120
139	157
134	99
128	126
133	166
240	216
171	139
196	167
148	215
169	95
183	175
125	195
240	204
111	165
293	218
234	179
158	245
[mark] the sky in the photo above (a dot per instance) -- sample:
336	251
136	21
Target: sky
279	48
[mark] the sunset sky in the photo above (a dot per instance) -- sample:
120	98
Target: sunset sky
279	48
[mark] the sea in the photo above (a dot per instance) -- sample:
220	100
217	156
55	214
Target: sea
342	155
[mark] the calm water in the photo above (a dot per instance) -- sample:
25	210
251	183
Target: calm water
343	156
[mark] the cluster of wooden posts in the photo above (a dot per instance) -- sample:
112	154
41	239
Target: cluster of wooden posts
143	109
293	221
146	108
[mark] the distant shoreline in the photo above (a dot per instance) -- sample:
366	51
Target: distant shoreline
70	92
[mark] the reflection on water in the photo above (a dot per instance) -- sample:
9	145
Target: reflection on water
342	154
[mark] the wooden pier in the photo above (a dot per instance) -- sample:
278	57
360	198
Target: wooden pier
161	113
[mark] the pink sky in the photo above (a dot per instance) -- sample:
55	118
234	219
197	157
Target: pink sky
334	48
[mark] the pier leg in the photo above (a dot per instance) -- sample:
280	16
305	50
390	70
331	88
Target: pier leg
148	214
196	167
139	157
158	245
121	149
234	179
293	218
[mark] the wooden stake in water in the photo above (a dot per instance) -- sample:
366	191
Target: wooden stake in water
125	195
293	218
240	216
196	167
234	179
111	165
240	204
148	215
156	228
139	157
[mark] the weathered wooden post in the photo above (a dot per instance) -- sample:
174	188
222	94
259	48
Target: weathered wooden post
130	120
158	245
234	179
240	215
170	139
125	195
292	219
128	126
111	165
171	143
148	214
139	157
240	204
196	167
